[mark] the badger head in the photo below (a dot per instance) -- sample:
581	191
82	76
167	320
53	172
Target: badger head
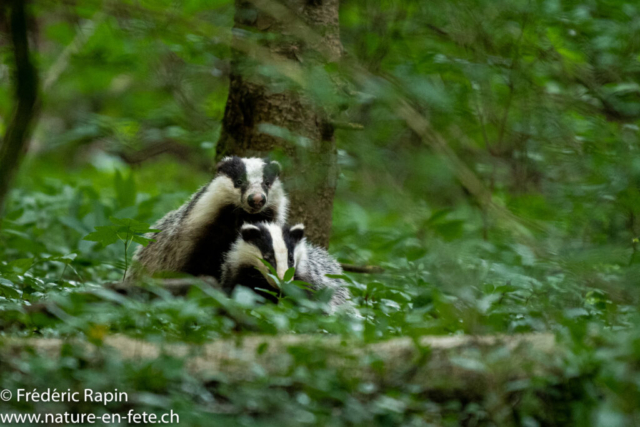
252	180
270	242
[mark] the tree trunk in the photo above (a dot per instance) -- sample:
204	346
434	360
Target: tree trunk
254	101
15	140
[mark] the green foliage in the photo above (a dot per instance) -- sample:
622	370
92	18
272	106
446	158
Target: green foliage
126	230
538	100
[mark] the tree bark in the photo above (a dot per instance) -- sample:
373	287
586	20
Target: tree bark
254	101
15	140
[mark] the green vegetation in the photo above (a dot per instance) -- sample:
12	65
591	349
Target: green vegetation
496	179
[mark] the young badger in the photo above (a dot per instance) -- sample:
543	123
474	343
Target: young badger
282	247
194	238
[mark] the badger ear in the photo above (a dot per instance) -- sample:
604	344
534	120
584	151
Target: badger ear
224	165
250	233
221	163
296	233
274	167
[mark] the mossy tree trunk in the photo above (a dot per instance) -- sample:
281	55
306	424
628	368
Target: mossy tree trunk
303	134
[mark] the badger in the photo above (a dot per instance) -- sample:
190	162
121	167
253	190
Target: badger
194	238
283	247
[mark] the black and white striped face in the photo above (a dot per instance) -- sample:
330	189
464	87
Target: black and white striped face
272	243
252	179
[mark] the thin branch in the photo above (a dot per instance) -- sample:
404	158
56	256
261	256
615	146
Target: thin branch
183	152
347	125
438	30
365	269
84	33
126	258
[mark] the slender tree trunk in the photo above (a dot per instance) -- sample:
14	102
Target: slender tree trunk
25	77
255	101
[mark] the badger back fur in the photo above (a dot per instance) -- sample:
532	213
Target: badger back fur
282	247
194	238
313	263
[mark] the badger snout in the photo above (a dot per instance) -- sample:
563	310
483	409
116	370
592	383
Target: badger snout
256	200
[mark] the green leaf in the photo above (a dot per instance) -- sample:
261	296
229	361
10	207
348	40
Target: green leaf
124	229
303	285
267	291
132	225
438	216
144	241
20	266
105	235
66	259
275	279
9	289
270	267
262	348
288	275
469	364
245	297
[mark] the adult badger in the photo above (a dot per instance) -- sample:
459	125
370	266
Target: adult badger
283	247
194	238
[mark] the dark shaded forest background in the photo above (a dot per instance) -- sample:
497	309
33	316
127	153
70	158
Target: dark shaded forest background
486	156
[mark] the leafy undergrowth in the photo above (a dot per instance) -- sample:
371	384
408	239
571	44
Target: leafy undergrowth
448	284
537	102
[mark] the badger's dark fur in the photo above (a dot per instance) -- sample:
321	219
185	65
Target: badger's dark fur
194	238
282	247
268	241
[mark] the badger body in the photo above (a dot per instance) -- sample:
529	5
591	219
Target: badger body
283	247
313	263
242	264
194	238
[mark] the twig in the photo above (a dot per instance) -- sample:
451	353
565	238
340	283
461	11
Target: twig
126	258
365	269
178	151
438	30
347	125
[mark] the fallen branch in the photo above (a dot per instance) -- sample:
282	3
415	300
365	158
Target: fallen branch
177	287
465	366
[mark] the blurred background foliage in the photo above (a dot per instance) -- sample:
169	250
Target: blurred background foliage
537	99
